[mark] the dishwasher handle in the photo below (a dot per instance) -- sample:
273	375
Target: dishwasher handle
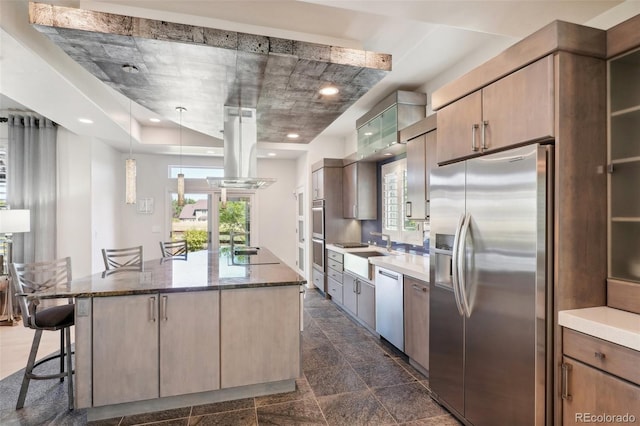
388	274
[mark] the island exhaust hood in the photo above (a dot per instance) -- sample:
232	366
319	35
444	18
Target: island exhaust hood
240	151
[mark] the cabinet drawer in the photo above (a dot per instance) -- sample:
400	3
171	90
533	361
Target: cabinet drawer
318	279
607	356
335	256
337	266
335	290
335	275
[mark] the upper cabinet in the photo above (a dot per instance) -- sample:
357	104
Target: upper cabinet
624	167
359	192
514	110
379	129
420	139
317	184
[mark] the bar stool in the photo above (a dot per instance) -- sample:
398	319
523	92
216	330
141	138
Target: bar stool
125	259
39	277
174	249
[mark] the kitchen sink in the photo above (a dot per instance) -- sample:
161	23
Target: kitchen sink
357	262
371	253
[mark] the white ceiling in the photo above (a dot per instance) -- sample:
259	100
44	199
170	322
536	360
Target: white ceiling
431	42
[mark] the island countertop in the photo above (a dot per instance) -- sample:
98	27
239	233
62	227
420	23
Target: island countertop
203	270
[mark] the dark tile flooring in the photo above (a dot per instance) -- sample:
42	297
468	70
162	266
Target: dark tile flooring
350	377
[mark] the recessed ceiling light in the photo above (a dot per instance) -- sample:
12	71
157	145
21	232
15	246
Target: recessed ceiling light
329	90
154	120
272	154
293	136
368	133
131	69
387	154
85	121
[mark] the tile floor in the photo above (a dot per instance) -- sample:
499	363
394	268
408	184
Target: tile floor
350	377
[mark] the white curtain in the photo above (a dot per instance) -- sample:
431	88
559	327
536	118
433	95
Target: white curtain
31	184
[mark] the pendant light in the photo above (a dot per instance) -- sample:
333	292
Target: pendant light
181	175
130	169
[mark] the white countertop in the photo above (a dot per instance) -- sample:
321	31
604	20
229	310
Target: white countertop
613	325
414	265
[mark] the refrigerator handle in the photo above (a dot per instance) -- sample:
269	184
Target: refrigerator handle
454	266
462	266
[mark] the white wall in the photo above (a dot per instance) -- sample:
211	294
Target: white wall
74	201
277	206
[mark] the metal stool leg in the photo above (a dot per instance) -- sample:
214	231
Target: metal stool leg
28	369
69	368
61	353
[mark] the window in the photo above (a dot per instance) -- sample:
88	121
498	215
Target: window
191	172
394	195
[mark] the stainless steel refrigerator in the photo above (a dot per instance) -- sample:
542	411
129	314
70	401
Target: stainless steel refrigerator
490	321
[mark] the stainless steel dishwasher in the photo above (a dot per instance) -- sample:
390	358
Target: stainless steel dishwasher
389	306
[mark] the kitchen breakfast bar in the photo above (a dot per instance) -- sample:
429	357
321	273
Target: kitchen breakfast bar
214	327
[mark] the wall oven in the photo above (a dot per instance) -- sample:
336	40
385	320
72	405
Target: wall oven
317	219
318	254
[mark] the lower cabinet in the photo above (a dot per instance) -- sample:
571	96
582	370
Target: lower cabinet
416	320
142	347
600	381
358	297
260	335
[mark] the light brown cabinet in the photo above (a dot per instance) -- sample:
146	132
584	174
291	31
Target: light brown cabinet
416	320
317	184
334	275
598	378
260	339
359	192
516	109
155	356
421	159
359	299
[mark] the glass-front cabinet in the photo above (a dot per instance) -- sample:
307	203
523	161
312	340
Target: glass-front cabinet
624	167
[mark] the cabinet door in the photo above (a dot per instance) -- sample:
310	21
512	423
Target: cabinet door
367	303
125	349
519	107
317	183
416	178
189	342
260	335
459	128
349	295
349	191
593	392
416	320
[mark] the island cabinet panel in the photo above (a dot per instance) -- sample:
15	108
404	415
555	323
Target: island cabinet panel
259	335
189	342
125	349
416	320
516	109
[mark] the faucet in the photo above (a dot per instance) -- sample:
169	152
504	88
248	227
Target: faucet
378	234
232	234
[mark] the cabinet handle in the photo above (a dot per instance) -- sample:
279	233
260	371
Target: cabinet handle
474	127
164	307
419	288
600	356
354	286
407	209
355	210
485	124
358	287
565	381
152	308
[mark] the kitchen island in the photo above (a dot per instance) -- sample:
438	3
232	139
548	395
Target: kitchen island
212	328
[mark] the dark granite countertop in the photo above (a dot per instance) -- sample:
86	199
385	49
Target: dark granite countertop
203	270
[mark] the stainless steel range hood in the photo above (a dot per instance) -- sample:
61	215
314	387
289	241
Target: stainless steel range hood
240	151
